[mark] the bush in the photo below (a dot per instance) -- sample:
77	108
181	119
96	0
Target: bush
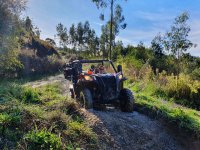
42	140
30	95
182	87
196	74
8	120
10	91
80	132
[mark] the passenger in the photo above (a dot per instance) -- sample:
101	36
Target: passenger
96	70
91	70
102	69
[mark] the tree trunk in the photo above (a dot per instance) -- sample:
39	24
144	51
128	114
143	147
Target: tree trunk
111	28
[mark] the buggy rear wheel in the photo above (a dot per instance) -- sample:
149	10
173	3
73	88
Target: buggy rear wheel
126	100
86	99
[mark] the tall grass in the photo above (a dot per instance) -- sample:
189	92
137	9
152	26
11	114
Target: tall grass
156	94
41	118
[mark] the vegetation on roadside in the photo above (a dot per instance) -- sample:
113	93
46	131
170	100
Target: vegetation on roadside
22	52
166	96
41	119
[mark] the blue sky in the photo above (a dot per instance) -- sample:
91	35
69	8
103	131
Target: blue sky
145	18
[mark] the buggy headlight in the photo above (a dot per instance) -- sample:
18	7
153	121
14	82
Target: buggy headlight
88	78
120	76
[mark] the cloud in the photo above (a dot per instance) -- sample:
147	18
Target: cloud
97	23
134	36
155	16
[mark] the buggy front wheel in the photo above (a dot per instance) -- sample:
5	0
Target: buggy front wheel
126	100
86	98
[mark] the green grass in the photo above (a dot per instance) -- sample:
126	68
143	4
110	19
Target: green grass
152	103
42	139
41	118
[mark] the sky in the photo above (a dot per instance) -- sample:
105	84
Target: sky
145	18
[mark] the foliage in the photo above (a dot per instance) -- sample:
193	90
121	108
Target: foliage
9	35
81	37
62	34
30	95
42	140
78	130
150	102
51	42
32	118
183	88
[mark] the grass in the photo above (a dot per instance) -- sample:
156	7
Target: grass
41	118
152	104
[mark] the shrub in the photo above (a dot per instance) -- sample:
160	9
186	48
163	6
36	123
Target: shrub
196	74
7	120
43	140
80	132
10	91
30	95
182	87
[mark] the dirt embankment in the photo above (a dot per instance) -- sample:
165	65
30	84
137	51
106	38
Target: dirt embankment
126	131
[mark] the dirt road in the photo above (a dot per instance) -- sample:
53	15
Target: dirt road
127	131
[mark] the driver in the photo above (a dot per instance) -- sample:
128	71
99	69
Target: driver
102	69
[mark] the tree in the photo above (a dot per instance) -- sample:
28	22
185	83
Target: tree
176	40
51	41
93	42
28	24
116	18
62	34
104	41
9	35
117	51
37	32
87	32
157	46
72	35
80	34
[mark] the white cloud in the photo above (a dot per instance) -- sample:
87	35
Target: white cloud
159	16
97	23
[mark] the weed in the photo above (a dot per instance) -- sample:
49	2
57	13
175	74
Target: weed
80	132
30	95
42	140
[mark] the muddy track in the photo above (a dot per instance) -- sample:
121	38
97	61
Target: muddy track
126	131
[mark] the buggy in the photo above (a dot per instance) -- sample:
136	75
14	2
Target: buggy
92	88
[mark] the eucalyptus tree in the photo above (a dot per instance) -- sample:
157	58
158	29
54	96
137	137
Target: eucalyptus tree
157	46
116	20
104	40
72	36
62	34
176	40
80	35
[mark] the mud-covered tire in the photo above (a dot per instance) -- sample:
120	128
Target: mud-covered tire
86	99
126	100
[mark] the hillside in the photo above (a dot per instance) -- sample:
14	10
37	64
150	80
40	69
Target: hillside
38	57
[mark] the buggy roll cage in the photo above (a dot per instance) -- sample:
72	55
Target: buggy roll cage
94	61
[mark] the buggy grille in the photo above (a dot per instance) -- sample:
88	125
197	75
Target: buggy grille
107	86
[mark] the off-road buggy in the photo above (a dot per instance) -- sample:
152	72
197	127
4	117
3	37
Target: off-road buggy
95	88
